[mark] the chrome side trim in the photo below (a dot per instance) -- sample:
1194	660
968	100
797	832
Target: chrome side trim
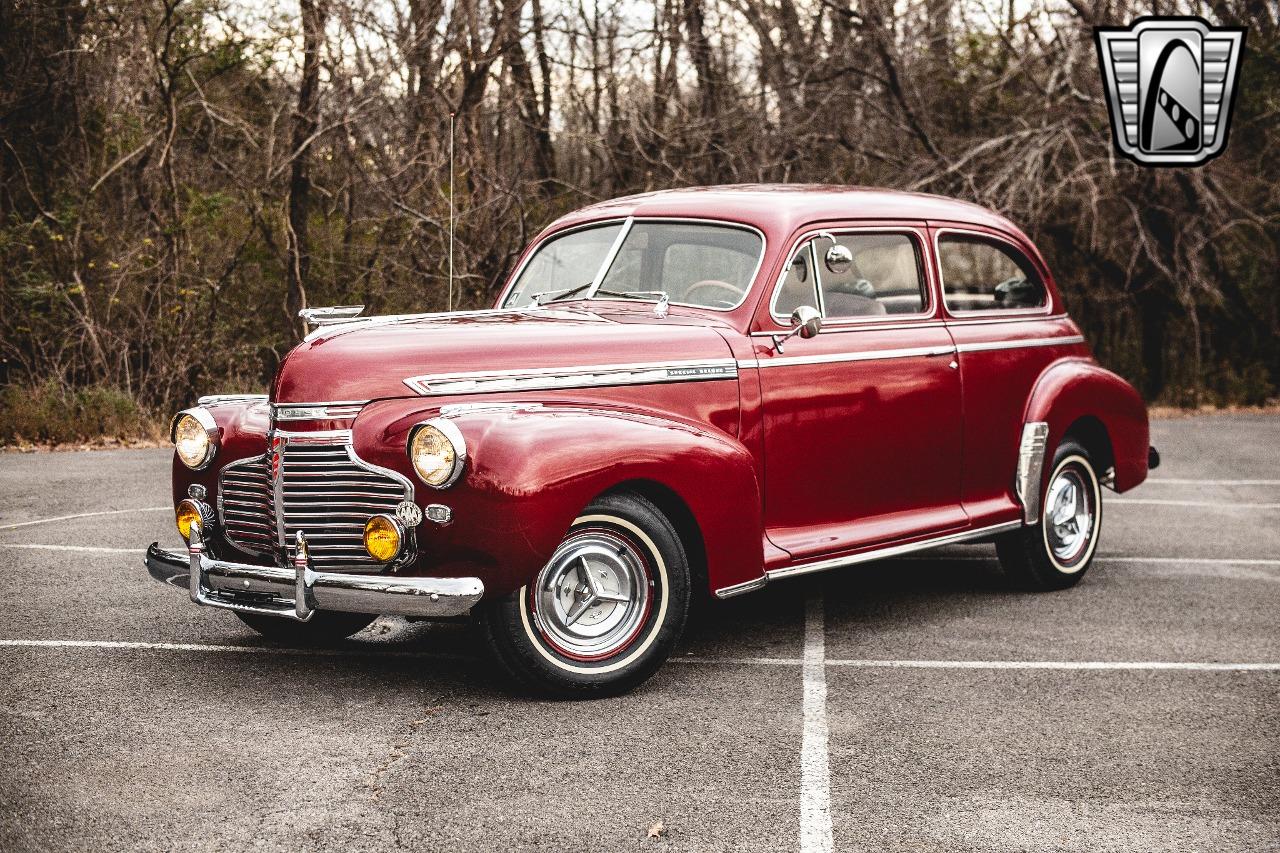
1035	434
986	346
455	409
318	411
987	319
220	399
869	355
891	551
741	588
592	376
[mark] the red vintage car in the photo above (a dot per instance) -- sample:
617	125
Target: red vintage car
707	389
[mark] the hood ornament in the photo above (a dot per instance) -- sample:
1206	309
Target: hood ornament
330	316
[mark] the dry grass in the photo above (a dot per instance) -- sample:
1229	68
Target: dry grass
49	416
1272	407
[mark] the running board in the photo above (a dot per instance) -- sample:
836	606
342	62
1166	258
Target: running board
866	557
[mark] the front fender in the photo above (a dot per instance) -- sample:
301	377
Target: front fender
242	425
1072	389
531	470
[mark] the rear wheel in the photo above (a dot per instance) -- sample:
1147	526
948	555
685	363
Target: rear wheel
604	612
324	626
1056	552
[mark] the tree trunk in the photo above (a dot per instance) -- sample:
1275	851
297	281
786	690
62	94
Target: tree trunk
305	121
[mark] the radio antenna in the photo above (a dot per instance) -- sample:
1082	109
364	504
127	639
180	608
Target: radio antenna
450	211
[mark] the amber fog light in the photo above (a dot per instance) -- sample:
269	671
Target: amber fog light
191	512
383	538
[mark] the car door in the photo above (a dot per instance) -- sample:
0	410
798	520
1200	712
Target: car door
862	421
1007	331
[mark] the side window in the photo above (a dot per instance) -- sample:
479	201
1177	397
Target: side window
798	286
986	275
870	275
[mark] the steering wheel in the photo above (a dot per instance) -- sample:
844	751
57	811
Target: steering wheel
710	284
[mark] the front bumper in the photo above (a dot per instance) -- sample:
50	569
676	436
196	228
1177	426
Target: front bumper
297	592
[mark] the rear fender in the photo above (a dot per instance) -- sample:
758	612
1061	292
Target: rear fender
531	469
1071	389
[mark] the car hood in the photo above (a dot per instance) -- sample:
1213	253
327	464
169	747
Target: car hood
371	359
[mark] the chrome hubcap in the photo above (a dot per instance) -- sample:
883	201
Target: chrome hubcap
592	598
1069	514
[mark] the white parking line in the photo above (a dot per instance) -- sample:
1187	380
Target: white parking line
1214	504
86	549
83	515
1191	561
1194	666
371	650
815	771
1175	481
814	660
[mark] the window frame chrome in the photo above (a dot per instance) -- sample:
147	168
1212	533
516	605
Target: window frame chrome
628	222
837	324
988	313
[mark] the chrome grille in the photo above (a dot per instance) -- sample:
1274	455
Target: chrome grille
329	494
244	502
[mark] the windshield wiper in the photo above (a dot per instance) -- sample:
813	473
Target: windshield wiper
633	294
559	294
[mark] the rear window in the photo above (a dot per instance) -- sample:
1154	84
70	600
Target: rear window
979	274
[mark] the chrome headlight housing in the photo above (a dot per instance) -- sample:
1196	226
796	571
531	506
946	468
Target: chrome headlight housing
195	436
438	452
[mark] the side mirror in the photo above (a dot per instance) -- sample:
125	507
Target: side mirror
805	322
838	259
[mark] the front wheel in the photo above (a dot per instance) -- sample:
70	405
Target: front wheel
1056	552
604	612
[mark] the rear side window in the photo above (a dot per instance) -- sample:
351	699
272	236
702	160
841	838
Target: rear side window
986	275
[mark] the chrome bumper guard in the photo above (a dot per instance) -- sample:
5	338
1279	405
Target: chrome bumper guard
299	591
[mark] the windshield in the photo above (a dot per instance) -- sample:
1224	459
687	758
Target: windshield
698	264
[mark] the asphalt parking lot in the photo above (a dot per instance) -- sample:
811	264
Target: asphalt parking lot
915	704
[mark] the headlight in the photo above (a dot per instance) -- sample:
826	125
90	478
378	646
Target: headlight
438	453
383	538
191	512
195	437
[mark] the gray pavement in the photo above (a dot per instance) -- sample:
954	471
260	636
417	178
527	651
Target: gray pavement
404	737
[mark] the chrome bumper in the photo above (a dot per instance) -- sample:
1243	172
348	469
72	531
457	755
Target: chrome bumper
299	591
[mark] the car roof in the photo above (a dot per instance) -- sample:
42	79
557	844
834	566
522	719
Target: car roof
775	208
